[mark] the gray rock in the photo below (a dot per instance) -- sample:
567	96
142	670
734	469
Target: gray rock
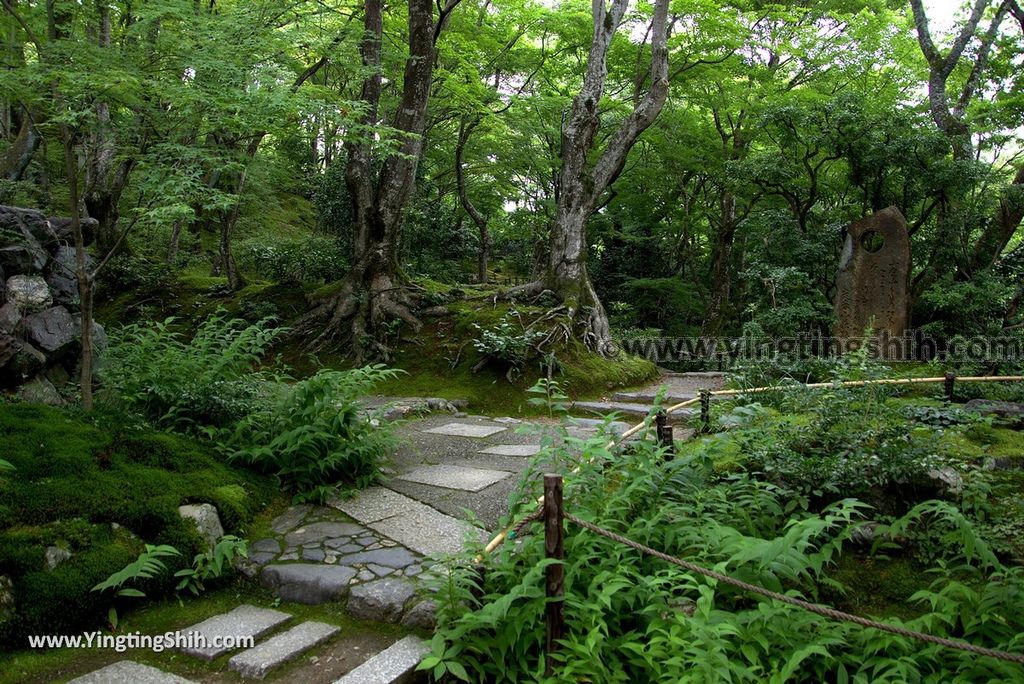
19	360
243	621
1004	463
60	275
54	331
266	545
257	662
129	672
9	315
952	481
40	391
261	558
290	519
421	616
394	557
1009	411
29	292
206	519
21	231
383	600
64	232
308	583
395	664
321	531
55	555
313	554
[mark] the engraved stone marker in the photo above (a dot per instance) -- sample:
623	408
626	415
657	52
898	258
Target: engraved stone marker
873	278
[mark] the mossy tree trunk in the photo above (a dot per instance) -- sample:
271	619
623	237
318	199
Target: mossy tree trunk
581	184
376	291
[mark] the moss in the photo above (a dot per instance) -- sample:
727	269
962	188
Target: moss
587	372
879	587
1007	443
74	479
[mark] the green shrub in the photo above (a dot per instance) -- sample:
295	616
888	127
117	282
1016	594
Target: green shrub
210	380
316	258
633	618
314	434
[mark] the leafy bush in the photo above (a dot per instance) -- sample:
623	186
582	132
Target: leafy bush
508	343
311	259
314	434
632	618
128	272
209	380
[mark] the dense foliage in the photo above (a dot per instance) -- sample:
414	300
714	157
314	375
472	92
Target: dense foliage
634	618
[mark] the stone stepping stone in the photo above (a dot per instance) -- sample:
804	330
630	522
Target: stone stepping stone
244	621
256	662
308	583
427	531
455	477
643	397
375	503
382	600
129	672
394	664
466	430
513	450
602	407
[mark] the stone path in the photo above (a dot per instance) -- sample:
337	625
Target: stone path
637	403
371	551
390	665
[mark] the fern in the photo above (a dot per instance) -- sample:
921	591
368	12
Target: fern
147	566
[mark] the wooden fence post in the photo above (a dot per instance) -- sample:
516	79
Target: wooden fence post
950	381
705	410
664	434
555	573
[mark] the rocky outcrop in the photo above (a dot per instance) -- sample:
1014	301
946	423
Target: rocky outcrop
40	324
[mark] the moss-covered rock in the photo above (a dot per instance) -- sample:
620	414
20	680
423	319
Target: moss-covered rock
101	492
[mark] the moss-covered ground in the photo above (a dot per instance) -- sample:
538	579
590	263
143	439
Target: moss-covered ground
82	485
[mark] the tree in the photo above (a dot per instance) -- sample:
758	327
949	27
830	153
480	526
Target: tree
582	184
376	291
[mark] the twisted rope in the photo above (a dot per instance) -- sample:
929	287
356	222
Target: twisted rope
799	603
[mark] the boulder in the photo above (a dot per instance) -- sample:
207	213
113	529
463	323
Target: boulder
54	331
29	292
64	234
1009	411
55	555
9	317
19	360
24	234
382	600
206	519
40	391
60	276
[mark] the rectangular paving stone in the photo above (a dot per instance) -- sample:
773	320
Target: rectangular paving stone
427	531
394	664
129	672
466	430
375	503
243	621
256	662
513	450
455	477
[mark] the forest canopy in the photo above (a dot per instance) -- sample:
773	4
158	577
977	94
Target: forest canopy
685	166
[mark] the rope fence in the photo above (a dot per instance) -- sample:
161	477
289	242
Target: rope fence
948	379
553	514
551	511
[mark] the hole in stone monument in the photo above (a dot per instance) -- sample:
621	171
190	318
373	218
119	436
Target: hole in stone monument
872	241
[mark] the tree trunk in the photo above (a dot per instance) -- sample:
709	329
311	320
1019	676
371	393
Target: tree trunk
721	272
23	148
376	292
484	252
581	185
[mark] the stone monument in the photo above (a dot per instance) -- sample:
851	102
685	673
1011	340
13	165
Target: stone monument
873	279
